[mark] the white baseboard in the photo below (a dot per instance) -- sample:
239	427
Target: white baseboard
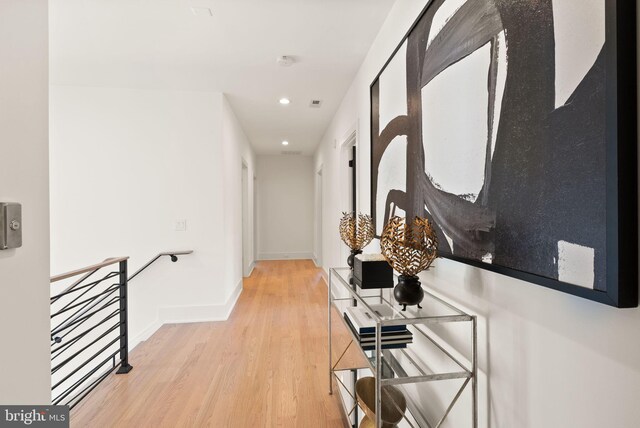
189	314
145	334
285	256
315	261
233	298
250	269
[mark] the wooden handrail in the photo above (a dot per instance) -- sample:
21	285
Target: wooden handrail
176	253
113	260
107	262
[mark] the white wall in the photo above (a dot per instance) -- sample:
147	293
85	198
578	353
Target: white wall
127	164
285	207
237	149
547	359
25	369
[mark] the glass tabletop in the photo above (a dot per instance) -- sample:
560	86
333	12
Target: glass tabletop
383	307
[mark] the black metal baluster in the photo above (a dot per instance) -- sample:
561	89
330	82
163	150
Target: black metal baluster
125	367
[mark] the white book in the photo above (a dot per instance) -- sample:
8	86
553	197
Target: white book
365	322
385	342
404	338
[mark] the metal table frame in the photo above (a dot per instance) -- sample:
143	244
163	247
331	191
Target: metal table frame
386	357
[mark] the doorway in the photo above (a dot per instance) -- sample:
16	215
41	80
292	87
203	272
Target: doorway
348	173
317	250
255	219
246	234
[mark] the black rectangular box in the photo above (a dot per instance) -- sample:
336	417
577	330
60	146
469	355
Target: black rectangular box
372	273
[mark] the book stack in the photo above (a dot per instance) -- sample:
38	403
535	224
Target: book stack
362	324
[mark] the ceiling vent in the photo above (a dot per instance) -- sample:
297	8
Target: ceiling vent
285	60
315	103
292	152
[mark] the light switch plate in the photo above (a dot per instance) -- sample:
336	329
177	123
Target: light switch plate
181	225
10	225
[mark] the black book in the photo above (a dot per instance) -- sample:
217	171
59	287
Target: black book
388	338
385	346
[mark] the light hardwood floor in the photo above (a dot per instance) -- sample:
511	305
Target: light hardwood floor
264	367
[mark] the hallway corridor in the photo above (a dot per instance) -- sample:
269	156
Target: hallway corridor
264	367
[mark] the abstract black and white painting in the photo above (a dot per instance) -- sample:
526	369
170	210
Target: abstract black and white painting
511	125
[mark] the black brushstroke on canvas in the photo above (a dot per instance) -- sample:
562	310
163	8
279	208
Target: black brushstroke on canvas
546	179
470	229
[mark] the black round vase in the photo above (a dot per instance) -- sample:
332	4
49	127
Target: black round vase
408	292
352	257
350	261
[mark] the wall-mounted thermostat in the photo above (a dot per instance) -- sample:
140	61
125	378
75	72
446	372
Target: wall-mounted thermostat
10	225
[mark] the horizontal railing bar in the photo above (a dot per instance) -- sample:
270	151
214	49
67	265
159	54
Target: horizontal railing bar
91	284
61	327
62	364
60	349
107	262
109	290
90	388
60	382
80	312
79	281
81	335
85	377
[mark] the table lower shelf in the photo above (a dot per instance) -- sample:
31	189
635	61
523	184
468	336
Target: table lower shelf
407	367
402	365
344	389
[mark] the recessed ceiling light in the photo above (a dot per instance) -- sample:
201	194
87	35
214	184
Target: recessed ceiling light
284	101
285	143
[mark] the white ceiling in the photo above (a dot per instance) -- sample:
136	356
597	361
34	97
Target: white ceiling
161	44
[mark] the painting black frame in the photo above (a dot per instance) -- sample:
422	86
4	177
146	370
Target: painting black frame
621	168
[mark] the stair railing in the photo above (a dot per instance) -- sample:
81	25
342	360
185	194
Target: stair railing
89	327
